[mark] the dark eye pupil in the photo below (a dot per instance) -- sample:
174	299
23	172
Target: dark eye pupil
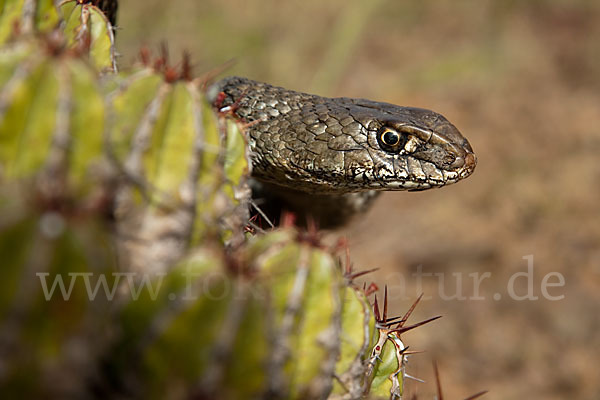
391	138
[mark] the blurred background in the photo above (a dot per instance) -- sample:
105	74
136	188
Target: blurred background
521	80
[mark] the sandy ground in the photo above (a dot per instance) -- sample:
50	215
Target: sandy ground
522	81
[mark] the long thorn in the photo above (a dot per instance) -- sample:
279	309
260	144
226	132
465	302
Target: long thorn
413	326
414	378
348	263
410	311
262	214
475	396
385	304
437	381
359	273
393	320
410	352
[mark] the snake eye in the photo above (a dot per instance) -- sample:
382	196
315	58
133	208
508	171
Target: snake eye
391	140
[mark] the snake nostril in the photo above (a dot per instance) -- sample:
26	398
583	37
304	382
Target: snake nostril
458	162
466	162
449	160
463	160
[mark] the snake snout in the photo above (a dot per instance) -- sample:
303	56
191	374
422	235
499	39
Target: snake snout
468	161
467	146
461	149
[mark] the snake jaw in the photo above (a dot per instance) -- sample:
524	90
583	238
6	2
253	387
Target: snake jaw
428	167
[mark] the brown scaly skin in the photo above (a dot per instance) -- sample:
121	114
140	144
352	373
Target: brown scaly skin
329	154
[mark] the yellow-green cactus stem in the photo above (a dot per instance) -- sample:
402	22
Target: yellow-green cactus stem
203	316
89	30
51	117
303	284
24	17
279	318
59	276
187	168
356	341
264	322
177	316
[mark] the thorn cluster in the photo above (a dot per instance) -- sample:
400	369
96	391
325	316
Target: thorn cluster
385	323
182	71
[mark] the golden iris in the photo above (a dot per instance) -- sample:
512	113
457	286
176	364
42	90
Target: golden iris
391	140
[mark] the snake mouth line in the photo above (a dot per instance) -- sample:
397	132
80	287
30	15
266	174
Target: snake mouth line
414	175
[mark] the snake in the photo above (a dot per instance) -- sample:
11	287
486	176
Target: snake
328	158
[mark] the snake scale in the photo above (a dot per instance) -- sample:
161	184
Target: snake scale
329	157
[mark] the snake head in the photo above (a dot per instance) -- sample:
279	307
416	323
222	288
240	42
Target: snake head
321	145
407	148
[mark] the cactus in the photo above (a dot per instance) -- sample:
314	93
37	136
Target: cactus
84	23
277	319
87	27
188	169
53	329
24	17
54	186
51	117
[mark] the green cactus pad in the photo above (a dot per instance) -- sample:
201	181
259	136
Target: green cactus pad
22	17
51	116
56	265
186	165
269	324
88	29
